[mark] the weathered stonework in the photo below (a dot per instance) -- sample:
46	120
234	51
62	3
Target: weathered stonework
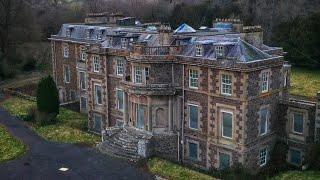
157	92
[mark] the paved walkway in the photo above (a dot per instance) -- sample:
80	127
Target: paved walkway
44	159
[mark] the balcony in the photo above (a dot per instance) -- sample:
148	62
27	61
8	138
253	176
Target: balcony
143	49
151	89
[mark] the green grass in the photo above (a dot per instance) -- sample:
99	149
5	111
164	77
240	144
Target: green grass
305	82
297	175
10	147
70	128
174	171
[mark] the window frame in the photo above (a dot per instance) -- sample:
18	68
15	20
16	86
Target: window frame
293	123
140	74
266	122
83	86
118	67
219	153
86	102
66	51
96	99
265	78
96	64
225	85
67	79
199	50
118	104
232	123
198	155
83	54
219	51
193	79
94	122
290	156
189	115
263	156
88	33
124	43
147	73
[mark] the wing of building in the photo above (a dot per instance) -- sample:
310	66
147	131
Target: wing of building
211	97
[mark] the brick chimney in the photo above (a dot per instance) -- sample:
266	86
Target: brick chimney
165	35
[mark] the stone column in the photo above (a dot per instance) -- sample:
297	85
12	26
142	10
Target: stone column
149	114
170	114
125	110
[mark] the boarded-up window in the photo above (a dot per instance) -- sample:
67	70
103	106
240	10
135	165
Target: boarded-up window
98	94
298	123
227	124
263	128
224	160
97	118
193	116
193	151
120	95
295	157
83	103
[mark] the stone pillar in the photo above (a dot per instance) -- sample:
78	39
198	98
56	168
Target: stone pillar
317	122
170	114
149	114
125	110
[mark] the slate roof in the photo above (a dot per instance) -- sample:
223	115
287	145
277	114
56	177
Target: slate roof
235	48
184	28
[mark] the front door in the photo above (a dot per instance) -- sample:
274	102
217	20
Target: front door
140	116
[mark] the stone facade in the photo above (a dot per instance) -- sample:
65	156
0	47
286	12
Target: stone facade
207	101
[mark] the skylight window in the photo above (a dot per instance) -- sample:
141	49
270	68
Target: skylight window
148	37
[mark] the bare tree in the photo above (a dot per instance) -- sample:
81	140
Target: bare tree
96	6
17	24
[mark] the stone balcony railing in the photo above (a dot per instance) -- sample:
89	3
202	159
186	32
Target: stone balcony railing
144	50
151	89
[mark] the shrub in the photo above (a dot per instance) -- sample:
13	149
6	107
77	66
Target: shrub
278	159
47	101
236	171
44	118
313	156
29	64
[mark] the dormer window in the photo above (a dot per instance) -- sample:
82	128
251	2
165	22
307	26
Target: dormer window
124	43
88	33
83	54
199	50
109	41
68	32
219	51
100	34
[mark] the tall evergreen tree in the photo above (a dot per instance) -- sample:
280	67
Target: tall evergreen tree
48	96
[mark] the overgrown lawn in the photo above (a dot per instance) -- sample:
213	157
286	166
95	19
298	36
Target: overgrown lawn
10	147
171	170
70	128
305	82
298	175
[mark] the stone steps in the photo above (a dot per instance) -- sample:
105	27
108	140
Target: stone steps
128	147
115	152
122	144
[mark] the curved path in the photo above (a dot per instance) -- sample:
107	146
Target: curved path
44	159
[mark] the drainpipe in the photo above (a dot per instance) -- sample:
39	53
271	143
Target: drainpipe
181	140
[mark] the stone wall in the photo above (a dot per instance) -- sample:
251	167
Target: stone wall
165	146
60	62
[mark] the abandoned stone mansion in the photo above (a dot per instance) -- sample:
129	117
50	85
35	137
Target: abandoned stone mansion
209	97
